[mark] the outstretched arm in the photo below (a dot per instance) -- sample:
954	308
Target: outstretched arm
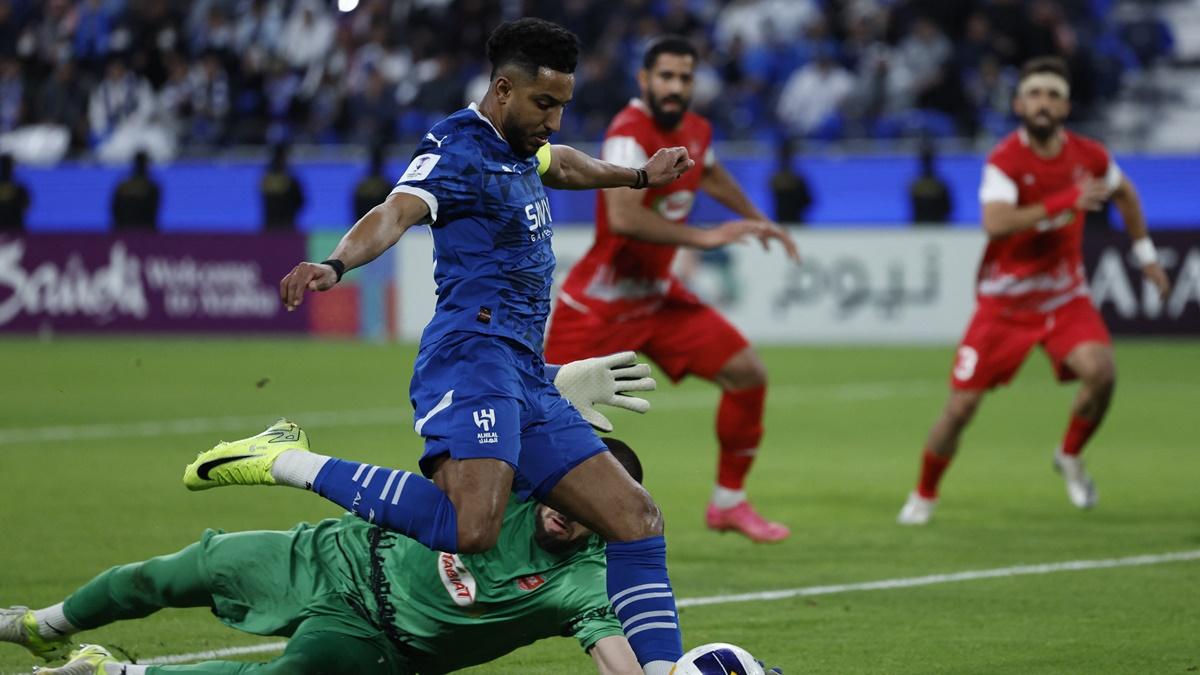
571	169
1126	199
614	656
373	234
719	184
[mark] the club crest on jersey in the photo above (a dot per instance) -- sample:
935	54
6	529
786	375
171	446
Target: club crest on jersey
485	419
531	582
457	579
676	205
1061	220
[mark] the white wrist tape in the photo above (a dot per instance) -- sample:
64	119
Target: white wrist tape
1144	252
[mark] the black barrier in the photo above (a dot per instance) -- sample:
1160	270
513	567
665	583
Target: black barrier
1129	303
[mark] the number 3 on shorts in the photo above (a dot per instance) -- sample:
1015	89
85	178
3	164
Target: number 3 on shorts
964	365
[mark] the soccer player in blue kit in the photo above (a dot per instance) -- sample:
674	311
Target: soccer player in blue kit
483	399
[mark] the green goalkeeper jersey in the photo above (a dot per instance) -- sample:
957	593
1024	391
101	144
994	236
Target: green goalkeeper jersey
451	611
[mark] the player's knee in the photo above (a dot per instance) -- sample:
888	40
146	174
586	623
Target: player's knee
477	536
651	520
643	519
961	409
1101	374
756	375
744	371
478	532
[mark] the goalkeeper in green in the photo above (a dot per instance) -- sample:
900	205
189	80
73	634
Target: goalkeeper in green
355	598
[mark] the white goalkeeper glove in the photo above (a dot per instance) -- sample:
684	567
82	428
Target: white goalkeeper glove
605	379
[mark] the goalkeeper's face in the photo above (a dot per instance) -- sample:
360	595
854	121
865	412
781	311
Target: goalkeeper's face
667	88
557	533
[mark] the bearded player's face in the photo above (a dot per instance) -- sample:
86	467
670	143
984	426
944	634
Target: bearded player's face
533	106
1041	109
557	533
667	88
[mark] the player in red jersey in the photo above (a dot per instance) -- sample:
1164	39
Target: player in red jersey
1037	184
622	295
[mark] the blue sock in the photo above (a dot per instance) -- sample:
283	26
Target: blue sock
642	598
394	499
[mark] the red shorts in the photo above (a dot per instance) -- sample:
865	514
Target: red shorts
996	345
684	337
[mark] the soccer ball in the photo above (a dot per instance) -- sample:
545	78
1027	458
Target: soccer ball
717	658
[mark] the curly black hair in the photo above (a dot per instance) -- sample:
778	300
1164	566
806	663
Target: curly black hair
531	44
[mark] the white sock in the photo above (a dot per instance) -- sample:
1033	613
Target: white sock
297	468
724	498
124	669
52	622
658	668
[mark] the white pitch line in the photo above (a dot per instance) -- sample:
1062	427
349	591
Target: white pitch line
886	584
157	428
929	580
777	395
215	654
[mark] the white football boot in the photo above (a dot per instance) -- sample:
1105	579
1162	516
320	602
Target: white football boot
18	625
917	510
86	660
1080	488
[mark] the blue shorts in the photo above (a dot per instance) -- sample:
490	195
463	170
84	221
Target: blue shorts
482	396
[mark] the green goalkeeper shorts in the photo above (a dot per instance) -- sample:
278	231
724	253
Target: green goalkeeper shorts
297	583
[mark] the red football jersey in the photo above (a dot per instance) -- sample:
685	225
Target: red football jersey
621	277
1040	269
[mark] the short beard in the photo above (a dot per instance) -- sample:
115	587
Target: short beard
510	134
667	120
548	542
1041	133
551	544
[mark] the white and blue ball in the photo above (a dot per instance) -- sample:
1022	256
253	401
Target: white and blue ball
717	658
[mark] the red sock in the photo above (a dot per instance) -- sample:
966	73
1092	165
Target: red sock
1078	432
932	468
739	430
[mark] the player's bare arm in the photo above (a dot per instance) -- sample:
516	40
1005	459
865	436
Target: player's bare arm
1126	199
613	656
571	169
629	218
373	234
1000	219
719	184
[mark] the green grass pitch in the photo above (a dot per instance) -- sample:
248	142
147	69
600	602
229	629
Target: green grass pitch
844	431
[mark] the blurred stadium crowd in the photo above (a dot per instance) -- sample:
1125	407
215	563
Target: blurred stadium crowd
109	76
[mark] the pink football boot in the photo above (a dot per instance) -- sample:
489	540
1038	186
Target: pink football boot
743	518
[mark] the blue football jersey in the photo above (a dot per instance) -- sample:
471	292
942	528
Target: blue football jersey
491	224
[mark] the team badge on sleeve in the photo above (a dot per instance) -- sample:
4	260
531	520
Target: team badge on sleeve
420	168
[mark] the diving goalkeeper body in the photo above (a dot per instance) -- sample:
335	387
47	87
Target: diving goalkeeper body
355	598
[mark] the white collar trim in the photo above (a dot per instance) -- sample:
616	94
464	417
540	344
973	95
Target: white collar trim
475	108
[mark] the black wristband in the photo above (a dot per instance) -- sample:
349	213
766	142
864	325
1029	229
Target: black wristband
642	179
339	267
